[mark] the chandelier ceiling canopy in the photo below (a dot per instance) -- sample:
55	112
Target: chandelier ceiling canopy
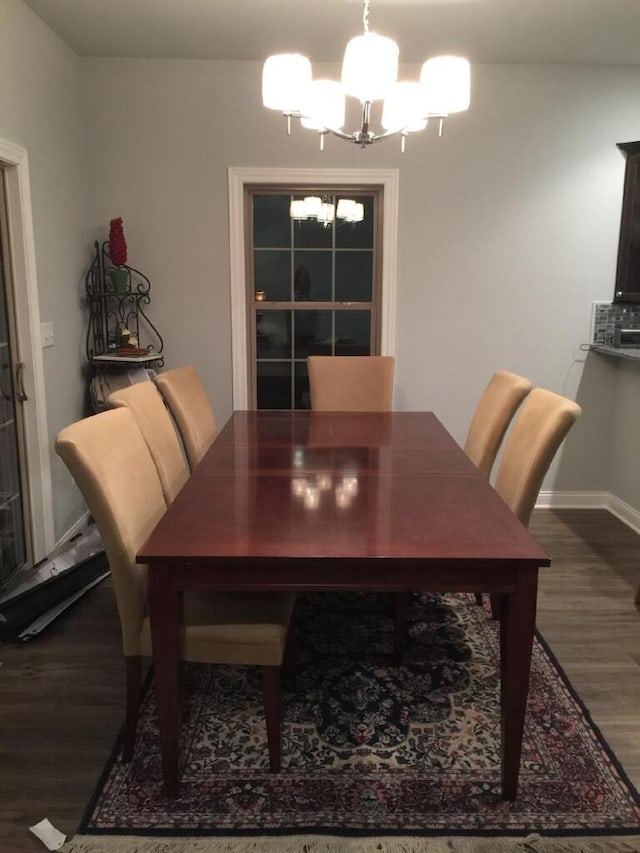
369	73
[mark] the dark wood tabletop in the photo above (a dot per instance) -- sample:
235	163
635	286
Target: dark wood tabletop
327	500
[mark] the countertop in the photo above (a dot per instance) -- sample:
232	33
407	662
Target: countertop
631	353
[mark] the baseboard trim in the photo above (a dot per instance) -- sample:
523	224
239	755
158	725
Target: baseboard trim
625	512
573	500
591	500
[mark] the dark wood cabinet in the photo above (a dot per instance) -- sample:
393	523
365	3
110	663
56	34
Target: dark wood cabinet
628	270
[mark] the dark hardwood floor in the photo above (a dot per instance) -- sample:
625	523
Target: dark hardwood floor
587	614
61	707
62	696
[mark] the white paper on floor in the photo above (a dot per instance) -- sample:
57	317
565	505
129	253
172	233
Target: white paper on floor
51	837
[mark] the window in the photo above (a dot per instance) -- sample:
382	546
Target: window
313	287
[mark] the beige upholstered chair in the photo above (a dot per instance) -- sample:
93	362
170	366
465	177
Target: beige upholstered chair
185	395
491	419
357	383
493	414
148	408
351	383
539	429
111	463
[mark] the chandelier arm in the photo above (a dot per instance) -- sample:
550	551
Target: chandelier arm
369	139
364	136
350	137
333	130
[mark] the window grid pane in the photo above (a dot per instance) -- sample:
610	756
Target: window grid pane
331	269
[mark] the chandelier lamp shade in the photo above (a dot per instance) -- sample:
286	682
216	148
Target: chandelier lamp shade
369	74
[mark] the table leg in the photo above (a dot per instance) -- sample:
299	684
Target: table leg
164	613
517	626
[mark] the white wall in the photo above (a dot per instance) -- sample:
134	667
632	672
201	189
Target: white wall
508	226
40	110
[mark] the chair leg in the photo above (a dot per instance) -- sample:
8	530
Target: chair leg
400	607
289	657
496	605
133	666
273	713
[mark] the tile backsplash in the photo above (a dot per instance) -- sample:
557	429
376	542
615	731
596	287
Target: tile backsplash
609	317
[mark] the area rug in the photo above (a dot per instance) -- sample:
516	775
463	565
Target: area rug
370	749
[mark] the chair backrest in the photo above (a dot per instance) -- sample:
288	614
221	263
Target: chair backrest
111	463
148	408
493	414
185	394
540	427
354	383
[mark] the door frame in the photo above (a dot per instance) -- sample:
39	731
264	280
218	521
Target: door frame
15	161
239	176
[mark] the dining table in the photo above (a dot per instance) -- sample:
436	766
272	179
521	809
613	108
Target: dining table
360	501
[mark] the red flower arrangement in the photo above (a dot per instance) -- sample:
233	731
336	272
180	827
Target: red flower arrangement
117	243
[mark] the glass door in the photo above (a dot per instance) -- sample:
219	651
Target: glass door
313	285
13	544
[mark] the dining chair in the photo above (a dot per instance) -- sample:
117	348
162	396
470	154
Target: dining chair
109	459
357	383
187	399
351	383
539	429
493	414
150	412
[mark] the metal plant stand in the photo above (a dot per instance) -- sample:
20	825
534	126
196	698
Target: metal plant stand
121	339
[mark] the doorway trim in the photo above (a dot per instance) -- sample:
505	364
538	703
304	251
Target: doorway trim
15	161
239	176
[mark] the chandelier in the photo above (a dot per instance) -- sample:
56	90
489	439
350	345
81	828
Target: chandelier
369	73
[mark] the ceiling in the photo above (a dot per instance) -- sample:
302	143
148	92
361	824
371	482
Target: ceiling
503	31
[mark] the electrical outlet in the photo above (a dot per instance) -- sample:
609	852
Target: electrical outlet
47	336
594	306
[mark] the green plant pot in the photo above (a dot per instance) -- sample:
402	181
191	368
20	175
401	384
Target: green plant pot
120	279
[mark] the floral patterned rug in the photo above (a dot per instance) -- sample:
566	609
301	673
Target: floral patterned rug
370	748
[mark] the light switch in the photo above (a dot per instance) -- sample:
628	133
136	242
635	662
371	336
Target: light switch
47	337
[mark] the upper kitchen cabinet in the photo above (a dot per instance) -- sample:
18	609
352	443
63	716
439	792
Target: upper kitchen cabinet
628	270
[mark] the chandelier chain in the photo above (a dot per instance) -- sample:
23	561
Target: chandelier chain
365	16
